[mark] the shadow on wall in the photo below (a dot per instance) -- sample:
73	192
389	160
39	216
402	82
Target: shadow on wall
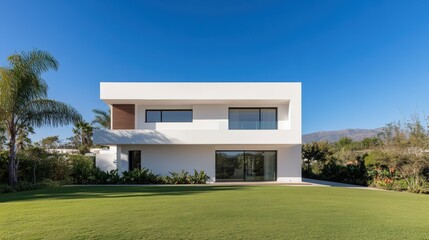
130	137
86	192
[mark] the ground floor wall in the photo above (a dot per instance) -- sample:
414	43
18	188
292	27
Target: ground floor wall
162	159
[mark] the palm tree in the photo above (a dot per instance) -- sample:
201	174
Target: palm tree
82	136
102	118
24	102
23	140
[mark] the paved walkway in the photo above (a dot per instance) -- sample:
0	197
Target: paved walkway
306	182
261	183
322	183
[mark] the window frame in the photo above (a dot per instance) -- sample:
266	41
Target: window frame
260	116
244	163
131	162
169	110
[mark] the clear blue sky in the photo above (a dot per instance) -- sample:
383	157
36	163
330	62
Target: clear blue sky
362	63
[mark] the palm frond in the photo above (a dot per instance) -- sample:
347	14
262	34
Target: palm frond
101	118
36	61
45	112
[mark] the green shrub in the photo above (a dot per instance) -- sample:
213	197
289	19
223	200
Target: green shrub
26	186
140	176
178	178
4	188
97	176
114	177
49	183
81	168
34	167
350	173
317	168
199	177
184	177
399	185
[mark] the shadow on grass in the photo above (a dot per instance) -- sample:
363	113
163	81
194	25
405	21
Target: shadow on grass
86	192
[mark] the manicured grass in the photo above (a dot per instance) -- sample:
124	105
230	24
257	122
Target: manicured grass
213	212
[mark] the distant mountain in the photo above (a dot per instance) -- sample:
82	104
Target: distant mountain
333	136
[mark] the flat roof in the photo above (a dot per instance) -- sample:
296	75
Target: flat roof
198	92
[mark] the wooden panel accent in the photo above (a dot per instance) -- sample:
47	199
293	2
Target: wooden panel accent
123	116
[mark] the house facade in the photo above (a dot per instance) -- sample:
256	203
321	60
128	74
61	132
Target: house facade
232	131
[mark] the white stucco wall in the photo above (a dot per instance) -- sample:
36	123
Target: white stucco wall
289	164
105	159
105	162
210	103
162	159
111	91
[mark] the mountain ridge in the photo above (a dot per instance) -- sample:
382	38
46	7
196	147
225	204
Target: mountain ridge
357	134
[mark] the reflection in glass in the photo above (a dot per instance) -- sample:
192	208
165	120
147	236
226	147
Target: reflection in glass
177	116
153	116
244	119
134	160
252	118
229	165
168	115
268	118
246	165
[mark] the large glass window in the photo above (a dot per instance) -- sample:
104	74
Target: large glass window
153	116
230	165
268	118
246	165
252	118
168	115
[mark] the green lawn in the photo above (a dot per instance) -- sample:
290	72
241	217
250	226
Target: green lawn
213	212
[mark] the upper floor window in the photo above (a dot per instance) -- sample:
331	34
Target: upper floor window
252	118
168	115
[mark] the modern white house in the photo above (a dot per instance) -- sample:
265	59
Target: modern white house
232	131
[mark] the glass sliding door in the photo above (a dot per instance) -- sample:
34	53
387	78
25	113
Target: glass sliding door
246	165
270	166
254	166
230	165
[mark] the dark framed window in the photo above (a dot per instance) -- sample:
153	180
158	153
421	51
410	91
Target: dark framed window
252	118
134	160
176	115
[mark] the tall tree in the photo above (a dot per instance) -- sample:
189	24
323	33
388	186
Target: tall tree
101	119
315	151
82	136
23	139
3	138
50	142
24	100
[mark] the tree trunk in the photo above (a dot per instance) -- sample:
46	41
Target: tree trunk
13	163
34	172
